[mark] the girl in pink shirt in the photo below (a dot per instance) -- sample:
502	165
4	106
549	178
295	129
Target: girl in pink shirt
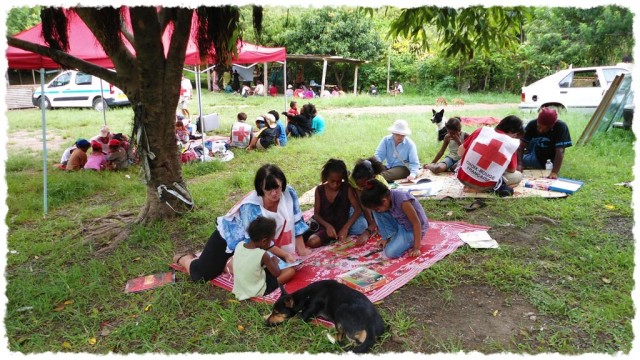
97	160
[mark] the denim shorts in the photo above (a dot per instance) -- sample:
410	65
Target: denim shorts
449	162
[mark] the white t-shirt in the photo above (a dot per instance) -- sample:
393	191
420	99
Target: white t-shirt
186	86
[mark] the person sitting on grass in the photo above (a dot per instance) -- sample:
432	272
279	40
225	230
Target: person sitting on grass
281	127
301	125
545	138
241	132
489	158
182	135
364	170
266	136
78	157
103	138
401	219
397	150
252	258
117	158
336	208
293	108
452	140
97	160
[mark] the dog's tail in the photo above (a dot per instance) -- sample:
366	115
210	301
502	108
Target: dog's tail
366	344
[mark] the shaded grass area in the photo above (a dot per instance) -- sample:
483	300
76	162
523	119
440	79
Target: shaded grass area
578	274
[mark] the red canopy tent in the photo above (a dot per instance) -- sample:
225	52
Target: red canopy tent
83	45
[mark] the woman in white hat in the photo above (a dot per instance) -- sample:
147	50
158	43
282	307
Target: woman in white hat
399	153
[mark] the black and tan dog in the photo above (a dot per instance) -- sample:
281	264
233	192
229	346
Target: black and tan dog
354	316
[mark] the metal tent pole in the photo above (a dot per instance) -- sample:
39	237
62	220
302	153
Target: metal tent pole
44	142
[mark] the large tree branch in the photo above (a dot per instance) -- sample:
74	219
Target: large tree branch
64	59
98	21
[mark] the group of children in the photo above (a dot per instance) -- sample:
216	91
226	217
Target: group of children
108	152
359	204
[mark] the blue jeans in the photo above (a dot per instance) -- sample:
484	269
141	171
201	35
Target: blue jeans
530	161
400	240
359	225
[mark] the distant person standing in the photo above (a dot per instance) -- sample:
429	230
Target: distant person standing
373	90
185	96
235	85
545	138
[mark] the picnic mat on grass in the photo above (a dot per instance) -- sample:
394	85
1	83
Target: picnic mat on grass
450	187
329	261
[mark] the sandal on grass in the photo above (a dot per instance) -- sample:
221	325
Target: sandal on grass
476	204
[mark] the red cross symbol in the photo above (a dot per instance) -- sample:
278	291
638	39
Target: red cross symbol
489	153
240	134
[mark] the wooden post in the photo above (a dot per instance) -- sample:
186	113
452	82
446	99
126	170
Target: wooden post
324	75
355	81
265	78
388	70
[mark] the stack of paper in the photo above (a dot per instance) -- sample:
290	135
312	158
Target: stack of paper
479	240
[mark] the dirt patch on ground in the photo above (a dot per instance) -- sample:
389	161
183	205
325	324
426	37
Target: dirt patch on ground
32	141
470	317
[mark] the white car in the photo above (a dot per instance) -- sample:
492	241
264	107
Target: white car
73	88
576	89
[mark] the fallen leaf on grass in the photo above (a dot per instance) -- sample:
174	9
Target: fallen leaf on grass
524	332
136	259
233	301
68	302
449	213
147	308
606	280
609	207
92	341
496	312
240	328
66	345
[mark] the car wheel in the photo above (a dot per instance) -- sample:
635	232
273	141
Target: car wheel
47	103
98	104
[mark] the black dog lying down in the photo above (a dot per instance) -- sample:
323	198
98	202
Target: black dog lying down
354	315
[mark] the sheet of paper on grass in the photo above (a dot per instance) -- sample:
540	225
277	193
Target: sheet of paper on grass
422	189
478	240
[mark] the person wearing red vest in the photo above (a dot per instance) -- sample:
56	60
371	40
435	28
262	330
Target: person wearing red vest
489	157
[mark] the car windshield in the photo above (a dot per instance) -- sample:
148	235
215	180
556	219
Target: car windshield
610	74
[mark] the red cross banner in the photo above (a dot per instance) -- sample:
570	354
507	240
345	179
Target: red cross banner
489	155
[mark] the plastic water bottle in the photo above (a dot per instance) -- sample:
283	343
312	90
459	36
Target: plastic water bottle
548	165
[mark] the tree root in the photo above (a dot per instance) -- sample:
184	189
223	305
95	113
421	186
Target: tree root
107	232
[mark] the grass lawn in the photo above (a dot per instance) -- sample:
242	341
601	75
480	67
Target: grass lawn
569	260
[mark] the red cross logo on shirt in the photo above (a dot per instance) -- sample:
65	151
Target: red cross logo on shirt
240	134
490	153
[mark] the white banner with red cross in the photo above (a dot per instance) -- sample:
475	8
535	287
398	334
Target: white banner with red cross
489	155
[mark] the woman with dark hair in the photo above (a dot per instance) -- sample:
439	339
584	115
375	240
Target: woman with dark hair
489	158
364	170
301	125
272	198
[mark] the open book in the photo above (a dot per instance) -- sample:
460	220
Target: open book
362	279
420	180
283	264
